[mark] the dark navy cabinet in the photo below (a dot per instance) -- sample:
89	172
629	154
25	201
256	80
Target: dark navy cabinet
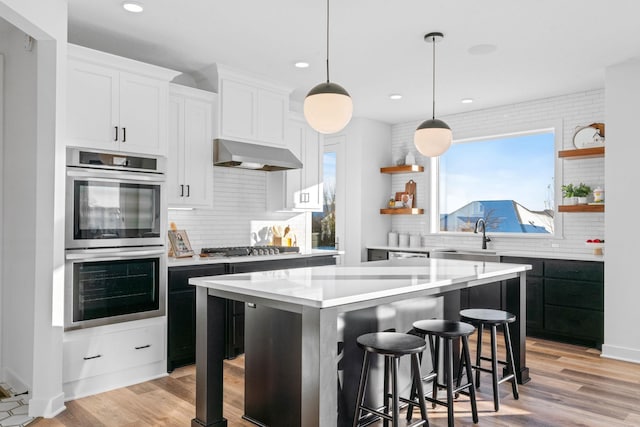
565	300
181	313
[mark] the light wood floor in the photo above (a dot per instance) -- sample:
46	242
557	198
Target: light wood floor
570	386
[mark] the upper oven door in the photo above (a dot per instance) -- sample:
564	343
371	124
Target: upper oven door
107	208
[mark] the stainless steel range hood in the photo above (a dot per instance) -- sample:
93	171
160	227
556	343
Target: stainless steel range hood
253	156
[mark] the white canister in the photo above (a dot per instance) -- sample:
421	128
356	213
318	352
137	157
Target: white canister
598	195
404	240
393	239
414	241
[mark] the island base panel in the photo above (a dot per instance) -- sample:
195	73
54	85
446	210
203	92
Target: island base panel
273	354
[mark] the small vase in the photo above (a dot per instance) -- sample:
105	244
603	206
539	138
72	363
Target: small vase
569	201
582	200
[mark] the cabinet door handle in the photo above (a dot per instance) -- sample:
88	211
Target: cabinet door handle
143	346
115	138
124	134
181	190
188	190
92	357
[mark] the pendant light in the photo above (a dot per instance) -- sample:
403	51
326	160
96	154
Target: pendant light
433	137
328	107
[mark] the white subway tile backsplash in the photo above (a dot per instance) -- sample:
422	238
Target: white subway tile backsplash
239	210
571	110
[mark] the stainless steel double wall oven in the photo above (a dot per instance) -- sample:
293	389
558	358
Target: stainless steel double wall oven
115	266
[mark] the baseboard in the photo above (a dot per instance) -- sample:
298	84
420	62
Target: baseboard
47	408
621	353
101	383
16	383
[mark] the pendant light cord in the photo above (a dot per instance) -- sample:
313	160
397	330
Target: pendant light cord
327	41
433	89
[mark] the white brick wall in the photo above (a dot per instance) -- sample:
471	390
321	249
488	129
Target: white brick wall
567	112
239	209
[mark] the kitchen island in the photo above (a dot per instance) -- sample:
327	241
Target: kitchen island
317	296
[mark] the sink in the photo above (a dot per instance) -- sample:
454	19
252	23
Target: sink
466	254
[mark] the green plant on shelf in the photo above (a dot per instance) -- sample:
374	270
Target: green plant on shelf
568	191
581	190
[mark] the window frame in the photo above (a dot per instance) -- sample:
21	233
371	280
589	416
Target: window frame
522	130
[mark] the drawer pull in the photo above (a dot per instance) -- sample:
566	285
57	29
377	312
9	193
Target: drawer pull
143	346
92	357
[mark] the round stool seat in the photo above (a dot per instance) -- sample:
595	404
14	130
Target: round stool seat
391	343
486	315
443	328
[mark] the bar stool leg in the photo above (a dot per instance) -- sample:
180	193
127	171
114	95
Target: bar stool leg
420	390
479	353
472	390
510	363
448	372
436	365
396	400
361	388
494	368
386	397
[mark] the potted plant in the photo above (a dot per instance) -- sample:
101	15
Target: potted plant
581	191
568	194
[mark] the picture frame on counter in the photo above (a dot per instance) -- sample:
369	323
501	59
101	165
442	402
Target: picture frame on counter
180	245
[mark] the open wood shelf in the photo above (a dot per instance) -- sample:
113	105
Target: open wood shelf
581	208
582	153
402	169
402	211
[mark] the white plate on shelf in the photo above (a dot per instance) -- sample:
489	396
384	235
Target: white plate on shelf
587	136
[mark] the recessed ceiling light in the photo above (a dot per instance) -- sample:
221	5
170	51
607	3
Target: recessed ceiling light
466	100
301	64
395	96
482	49
133	6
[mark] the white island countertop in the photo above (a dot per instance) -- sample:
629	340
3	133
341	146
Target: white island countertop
317	296
331	286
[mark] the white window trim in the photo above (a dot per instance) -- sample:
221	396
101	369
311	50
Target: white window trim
554	126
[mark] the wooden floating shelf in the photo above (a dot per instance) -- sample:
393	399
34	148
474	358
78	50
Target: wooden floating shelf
582	153
402	169
402	211
581	208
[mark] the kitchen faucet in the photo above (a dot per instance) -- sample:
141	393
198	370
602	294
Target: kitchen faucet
485	239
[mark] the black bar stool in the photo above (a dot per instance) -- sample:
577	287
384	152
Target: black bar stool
392	345
446	331
493	318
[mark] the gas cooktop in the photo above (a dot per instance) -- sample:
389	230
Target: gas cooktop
248	251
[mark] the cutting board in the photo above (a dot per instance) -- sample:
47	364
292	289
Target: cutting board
410	188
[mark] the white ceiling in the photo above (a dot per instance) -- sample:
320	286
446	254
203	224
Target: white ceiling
544	47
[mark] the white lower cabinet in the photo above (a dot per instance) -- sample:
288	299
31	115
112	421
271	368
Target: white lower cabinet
190	160
304	187
99	359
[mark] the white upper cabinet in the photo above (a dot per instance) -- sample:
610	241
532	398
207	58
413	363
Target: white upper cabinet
251	110
304	187
190	160
116	103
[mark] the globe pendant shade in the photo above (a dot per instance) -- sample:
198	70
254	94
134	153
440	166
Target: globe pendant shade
328	108
432	138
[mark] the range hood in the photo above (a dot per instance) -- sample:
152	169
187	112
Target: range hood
253	156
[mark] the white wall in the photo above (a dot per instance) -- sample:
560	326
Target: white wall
622	292
19	182
33	201
367	149
566	112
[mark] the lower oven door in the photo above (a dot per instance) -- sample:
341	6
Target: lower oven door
104	286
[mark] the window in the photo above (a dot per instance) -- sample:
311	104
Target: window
323	224
508	181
